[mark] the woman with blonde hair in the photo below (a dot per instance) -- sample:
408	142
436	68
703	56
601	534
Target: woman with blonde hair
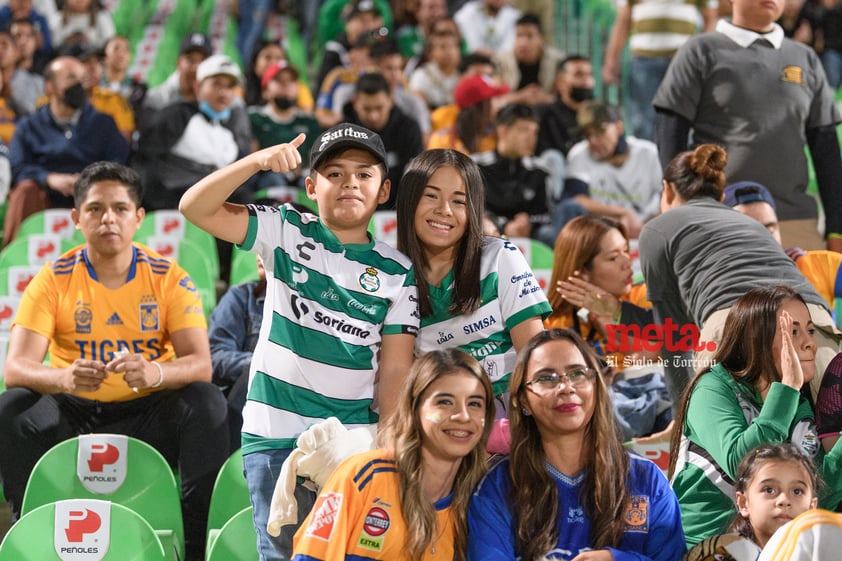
569	489
407	501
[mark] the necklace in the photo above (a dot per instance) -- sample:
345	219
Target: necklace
442	528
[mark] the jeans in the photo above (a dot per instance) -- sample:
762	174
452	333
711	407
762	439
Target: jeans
832	62
252	23
262	470
645	77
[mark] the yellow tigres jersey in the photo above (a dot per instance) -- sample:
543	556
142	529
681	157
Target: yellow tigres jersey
822	268
83	319
357	516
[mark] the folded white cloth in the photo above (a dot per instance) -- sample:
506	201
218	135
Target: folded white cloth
318	451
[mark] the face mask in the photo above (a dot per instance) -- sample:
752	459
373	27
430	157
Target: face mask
75	96
283	103
581	94
212	114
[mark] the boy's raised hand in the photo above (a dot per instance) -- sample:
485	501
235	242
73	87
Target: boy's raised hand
281	157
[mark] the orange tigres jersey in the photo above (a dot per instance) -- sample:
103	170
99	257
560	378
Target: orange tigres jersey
358	516
83	319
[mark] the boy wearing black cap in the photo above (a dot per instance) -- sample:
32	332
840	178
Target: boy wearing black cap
340	308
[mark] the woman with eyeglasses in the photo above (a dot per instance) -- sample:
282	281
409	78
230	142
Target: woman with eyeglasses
569	490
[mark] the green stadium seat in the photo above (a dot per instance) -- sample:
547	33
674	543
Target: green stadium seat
172	223
119	468
230	492
35	249
243	267
236	541
59	531
52	221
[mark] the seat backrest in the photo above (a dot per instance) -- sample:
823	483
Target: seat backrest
80	529
236	541
230	492
56	221
243	267
36	249
15	279
172	223
92	466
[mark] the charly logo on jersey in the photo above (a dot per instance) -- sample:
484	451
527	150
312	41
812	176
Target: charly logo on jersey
82	529
375	525
304	250
369	280
82	317
102	462
149	315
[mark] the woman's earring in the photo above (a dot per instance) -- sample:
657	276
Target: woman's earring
526	412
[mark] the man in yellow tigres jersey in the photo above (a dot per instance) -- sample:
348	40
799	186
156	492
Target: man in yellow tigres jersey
128	349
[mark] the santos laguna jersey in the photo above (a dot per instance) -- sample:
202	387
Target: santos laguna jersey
509	295
357	516
327	307
66	303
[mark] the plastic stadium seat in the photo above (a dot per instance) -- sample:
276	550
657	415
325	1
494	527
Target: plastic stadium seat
230	492
540	259
35	249
192	259
243	267
64	530
15	279
118	468
236	541
173	223
55	221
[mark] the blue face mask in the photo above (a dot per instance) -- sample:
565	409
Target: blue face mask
212	114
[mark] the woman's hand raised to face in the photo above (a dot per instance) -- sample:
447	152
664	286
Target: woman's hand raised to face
583	294
791	373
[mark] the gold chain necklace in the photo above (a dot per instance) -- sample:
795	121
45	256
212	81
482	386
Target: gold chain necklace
441	530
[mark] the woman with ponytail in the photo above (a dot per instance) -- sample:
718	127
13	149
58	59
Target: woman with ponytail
699	256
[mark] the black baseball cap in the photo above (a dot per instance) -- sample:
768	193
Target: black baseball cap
745	192
347	135
196	42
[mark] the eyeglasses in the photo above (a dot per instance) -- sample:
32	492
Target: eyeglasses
546	383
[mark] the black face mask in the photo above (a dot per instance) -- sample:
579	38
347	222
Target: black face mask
75	96
283	103
581	94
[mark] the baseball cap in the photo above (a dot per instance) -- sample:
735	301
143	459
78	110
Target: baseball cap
216	65
80	50
476	88
347	135
275	69
361	7
744	192
196	42
596	114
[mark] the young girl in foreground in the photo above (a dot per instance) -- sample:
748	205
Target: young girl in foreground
775	483
408	500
